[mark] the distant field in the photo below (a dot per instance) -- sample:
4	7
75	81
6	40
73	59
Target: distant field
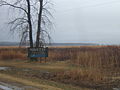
81	66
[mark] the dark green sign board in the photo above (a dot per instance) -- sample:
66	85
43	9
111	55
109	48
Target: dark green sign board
38	52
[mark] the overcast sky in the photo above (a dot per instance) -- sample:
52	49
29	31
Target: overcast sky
79	21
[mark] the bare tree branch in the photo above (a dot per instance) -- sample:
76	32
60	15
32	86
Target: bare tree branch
4	3
35	17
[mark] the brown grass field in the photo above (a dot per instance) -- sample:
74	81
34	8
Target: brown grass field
86	66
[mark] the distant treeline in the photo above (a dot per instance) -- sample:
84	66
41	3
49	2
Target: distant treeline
51	44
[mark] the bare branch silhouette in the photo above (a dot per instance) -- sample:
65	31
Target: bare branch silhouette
35	16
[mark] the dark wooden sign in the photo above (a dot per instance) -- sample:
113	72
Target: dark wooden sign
38	52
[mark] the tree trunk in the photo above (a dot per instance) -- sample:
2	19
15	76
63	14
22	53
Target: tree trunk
30	24
39	23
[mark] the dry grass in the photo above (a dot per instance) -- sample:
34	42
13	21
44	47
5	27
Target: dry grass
96	63
93	63
27	82
90	56
9	55
84	56
12	53
82	76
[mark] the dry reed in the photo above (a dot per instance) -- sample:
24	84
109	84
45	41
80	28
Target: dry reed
90	56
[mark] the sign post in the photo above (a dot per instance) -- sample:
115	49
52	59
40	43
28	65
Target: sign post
38	52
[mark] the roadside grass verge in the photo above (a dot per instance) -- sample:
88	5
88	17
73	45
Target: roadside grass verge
69	75
28	82
49	66
40	83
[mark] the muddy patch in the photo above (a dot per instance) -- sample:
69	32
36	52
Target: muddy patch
6	86
4	68
16	86
116	88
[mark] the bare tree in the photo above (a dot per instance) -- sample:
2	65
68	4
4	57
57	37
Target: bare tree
34	17
43	22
